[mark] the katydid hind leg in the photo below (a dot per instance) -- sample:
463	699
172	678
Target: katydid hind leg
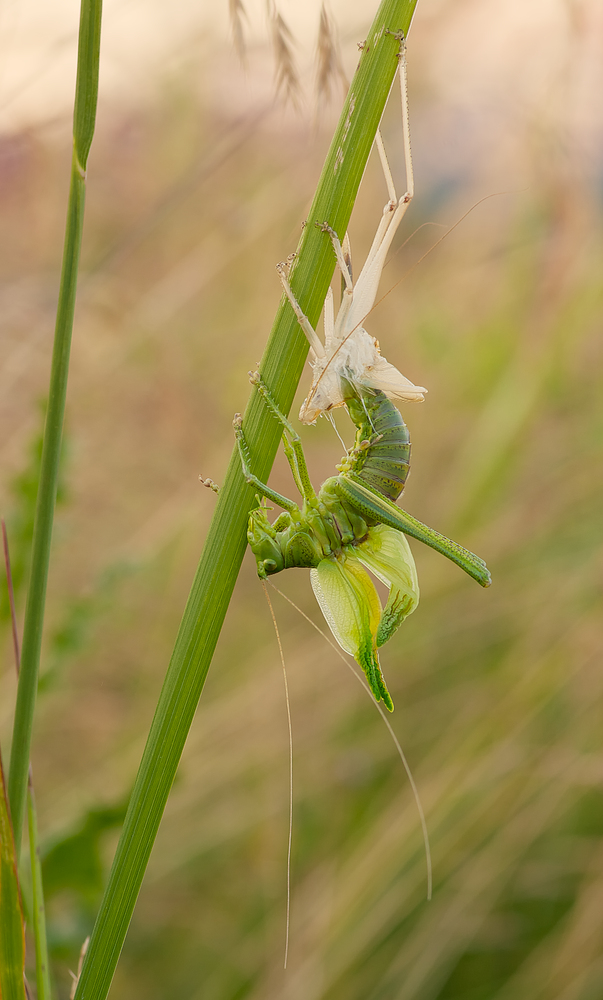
389	180
373	505
410	181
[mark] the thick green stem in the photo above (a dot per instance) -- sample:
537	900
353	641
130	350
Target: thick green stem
281	369
84	117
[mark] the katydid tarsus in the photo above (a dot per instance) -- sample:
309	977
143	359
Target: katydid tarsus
351	523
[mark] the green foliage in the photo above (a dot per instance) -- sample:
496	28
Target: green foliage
81	618
75	861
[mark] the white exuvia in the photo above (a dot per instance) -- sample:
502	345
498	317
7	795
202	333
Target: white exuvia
349	350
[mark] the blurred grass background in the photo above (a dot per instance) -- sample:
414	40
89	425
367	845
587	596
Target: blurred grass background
196	189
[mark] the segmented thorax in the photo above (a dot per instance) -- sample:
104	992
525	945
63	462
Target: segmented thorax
381	454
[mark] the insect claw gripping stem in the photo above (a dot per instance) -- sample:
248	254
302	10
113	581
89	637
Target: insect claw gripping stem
344	265
400	37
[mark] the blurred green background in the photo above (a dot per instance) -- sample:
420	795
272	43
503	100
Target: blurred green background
198	186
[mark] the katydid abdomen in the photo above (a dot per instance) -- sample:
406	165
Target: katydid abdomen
381	456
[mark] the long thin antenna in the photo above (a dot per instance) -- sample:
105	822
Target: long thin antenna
331	420
280	646
449	230
401	754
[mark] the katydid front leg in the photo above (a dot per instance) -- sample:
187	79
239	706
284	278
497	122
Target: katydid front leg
262	488
297	461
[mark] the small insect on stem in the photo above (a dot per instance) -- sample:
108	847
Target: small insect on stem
352	524
349	350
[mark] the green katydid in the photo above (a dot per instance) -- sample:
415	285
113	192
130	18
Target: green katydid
351	523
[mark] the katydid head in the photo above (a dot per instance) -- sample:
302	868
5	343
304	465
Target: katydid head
266	567
282	545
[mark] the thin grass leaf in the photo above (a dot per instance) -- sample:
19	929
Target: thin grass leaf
12	932
83	131
39	918
329	69
218	569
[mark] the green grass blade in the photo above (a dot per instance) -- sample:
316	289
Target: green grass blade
281	369
85	108
12	933
38	911
86	88
36	916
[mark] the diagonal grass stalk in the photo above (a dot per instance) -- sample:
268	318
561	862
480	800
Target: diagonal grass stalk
208	601
38	918
83	129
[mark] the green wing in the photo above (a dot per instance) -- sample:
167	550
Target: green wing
373	505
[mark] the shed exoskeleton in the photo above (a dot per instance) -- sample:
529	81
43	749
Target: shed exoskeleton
349	351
